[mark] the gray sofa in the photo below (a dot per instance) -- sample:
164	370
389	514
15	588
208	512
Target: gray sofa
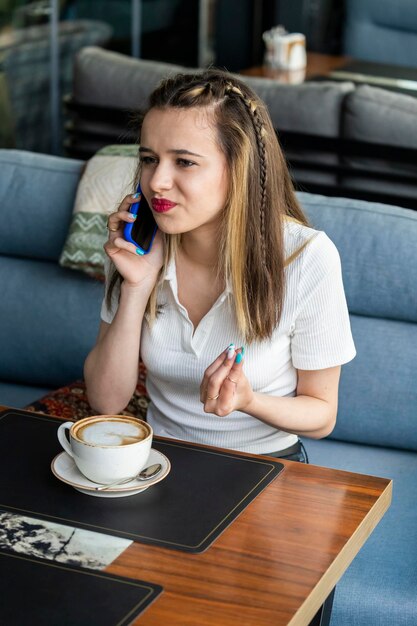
340	139
49	320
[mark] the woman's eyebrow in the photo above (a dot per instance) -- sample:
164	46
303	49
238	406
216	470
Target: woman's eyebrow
173	151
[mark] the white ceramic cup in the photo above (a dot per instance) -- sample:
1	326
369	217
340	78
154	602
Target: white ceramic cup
107	448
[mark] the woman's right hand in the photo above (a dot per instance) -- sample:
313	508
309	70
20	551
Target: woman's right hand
134	268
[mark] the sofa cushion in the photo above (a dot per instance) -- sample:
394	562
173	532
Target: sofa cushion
381	30
379	587
50	318
107	178
312	107
29	180
380	116
378	247
378	391
111	79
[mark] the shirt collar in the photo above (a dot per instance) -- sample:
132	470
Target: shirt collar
170	272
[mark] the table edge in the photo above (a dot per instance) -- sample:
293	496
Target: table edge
339	565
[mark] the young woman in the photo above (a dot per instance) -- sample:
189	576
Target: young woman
238	311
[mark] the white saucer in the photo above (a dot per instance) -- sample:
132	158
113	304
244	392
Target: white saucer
64	468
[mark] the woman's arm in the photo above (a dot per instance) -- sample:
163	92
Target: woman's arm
111	368
312	412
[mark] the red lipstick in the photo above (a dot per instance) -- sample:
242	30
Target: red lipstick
162	205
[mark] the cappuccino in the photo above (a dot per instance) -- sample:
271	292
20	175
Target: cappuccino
107	448
110	432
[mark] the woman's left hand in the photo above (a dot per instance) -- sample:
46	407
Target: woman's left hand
224	387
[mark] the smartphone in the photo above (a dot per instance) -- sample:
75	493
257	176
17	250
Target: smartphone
142	231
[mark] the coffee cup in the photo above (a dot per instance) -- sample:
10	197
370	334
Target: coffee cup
285	51
107	448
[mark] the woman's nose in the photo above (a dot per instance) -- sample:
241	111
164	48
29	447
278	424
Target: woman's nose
161	179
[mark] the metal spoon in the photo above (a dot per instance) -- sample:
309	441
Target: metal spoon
145	474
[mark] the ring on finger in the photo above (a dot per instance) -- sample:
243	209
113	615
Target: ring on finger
113	230
231	380
213	397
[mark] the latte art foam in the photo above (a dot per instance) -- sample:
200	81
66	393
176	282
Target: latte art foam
111	433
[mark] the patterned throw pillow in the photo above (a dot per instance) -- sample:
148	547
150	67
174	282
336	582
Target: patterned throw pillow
108	177
70	401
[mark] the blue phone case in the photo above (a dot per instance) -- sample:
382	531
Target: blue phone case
127	230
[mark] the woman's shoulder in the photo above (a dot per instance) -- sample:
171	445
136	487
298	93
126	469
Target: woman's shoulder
296	233
303	242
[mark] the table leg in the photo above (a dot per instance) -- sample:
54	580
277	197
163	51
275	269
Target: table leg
322	617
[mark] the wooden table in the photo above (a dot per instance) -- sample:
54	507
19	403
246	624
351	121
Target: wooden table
276	563
317	65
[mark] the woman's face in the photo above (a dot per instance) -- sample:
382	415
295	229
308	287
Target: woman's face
183	171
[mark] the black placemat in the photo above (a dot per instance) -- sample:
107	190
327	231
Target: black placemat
41	592
202	495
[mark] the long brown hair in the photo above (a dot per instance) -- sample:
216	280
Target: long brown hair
260	195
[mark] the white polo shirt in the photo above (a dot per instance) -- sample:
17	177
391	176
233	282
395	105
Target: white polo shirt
313	333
